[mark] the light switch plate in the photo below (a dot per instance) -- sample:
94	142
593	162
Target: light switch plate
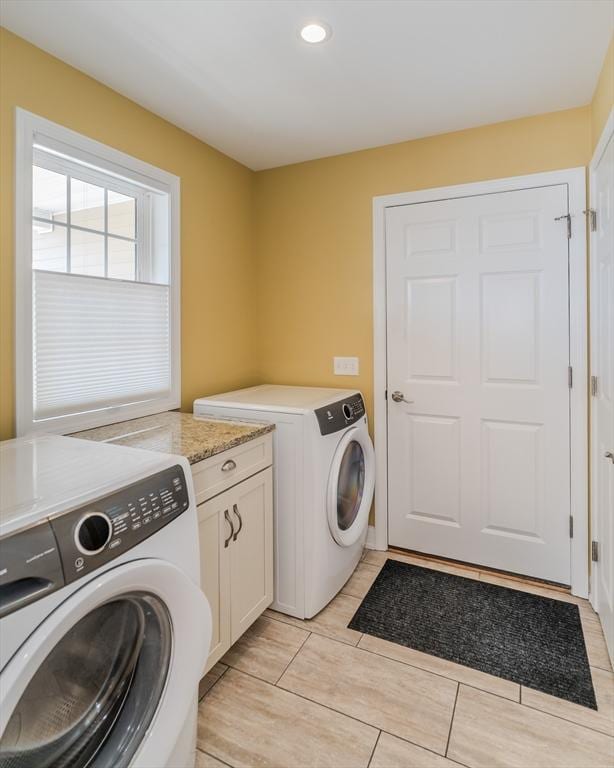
345	366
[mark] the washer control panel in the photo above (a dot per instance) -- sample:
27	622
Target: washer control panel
91	536
339	415
30	567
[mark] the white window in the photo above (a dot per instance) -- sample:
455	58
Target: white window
97	282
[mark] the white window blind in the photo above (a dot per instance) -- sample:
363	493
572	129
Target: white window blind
98	343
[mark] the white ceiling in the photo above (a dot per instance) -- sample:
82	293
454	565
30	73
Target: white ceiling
235	73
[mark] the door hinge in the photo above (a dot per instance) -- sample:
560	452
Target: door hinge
594	389
566	216
569	376
595	551
570	527
592	218
385	394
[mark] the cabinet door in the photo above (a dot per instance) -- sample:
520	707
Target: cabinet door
214	535
251	551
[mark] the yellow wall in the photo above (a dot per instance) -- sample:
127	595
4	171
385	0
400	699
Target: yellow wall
314	238
603	97
276	266
218	341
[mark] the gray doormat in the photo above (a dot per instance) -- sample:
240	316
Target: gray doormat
531	640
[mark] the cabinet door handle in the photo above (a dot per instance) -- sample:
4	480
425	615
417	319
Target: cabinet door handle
228	465
232	529
235	509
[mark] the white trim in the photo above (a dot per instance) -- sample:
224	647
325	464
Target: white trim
370	540
380	373
575	179
578	359
63	141
23	269
606	136
28	129
91	175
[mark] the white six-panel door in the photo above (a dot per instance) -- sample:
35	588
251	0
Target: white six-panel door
602	365
478	341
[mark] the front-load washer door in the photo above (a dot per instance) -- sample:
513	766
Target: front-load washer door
350	487
119	655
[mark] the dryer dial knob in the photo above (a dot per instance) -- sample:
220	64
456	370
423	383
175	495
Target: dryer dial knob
348	411
93	533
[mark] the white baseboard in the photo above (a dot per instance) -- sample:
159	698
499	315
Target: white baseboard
370	542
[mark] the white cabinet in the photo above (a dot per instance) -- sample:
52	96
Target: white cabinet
215	573
216	474
251	551
236	546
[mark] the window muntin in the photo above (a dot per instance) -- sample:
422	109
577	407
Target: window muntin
86	223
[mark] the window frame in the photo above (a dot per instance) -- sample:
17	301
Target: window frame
30	130
142	239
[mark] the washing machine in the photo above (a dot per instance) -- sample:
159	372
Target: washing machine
324	474
104	628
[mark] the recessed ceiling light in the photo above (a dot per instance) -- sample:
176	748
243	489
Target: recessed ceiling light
316	32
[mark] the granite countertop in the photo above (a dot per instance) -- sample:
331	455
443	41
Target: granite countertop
179	433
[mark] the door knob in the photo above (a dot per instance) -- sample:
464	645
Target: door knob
399	397
609	455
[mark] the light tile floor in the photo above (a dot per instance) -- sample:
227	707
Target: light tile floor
301	694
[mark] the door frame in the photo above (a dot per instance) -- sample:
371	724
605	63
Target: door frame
575	179
604	139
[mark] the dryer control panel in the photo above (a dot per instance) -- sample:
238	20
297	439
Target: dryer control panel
341	414
92	535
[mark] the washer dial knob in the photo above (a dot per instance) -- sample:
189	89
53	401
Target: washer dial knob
93	533
348	411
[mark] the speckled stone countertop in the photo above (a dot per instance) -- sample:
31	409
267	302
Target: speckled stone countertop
179	433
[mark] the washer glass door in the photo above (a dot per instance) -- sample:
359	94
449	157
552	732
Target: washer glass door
351	487
95	693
